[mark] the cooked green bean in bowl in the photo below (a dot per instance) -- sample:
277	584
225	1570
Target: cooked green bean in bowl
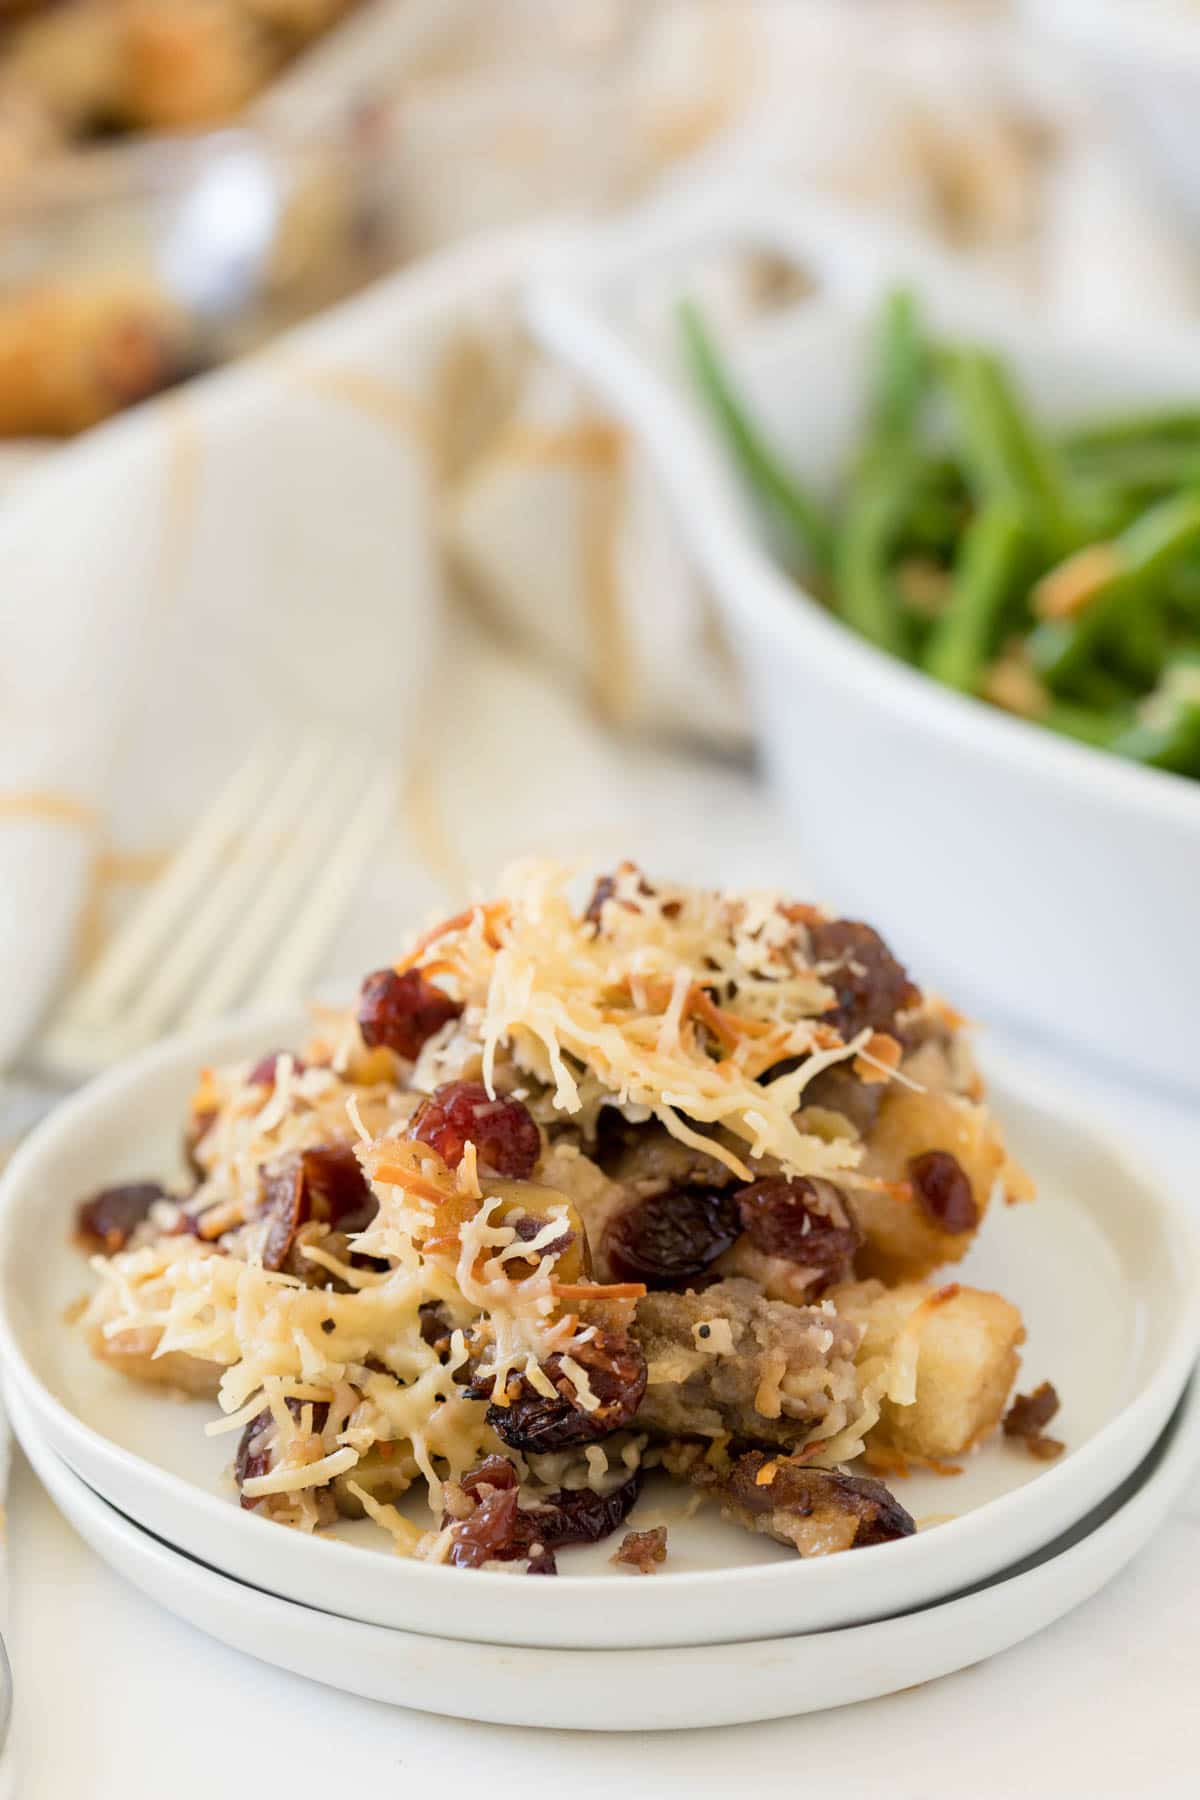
1053	573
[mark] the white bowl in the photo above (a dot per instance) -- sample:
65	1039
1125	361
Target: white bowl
1102	1265
1042	881
638	1689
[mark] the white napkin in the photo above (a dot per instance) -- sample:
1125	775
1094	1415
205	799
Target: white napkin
254	552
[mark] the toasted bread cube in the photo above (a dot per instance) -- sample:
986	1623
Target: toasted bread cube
131	1353
903	1240
965	1360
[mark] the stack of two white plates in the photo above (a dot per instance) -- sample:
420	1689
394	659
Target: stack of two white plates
732	1628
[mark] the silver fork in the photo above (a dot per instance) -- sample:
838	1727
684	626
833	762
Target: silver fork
242	913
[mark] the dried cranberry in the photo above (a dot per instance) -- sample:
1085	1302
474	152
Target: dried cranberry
196	1130
493	1472
793	1488
808	1222
188	1225
263	1072
339	1194
579	1516
257	1441
606	890
870	985
643	1550
529	1226
616	1373
437	1327
489	1534
400	1012
506	1139
1029	1414
109	1219
602	893
671	1238
325	1184
253	1453
281	1202
501	1530
943	1190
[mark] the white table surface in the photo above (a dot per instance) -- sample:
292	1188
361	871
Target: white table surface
117	1700
120	1699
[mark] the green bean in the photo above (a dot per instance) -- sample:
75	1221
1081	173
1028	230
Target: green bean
991	561
940	504
1144	554
933	523
889	472
1183	593
985	452
798	514
1165	731
1036	460
1086	724
1105	507
942	474
1172	743
901	370
1139	638
1006	458
1141	466
1099	689
1170	424
864	593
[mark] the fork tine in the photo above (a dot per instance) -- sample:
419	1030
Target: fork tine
297	958
131	953
283	891
220	911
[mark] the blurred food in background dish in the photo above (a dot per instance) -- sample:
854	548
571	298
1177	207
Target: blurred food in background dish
70	356
126	270
139	245
178	183
74	72
419	122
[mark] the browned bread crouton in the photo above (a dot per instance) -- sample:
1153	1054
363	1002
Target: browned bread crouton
964	1345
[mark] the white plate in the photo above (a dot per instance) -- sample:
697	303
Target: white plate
1102	1265
1034	878
638	1690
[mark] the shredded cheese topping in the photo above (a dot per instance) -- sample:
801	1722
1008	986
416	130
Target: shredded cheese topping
677	1001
